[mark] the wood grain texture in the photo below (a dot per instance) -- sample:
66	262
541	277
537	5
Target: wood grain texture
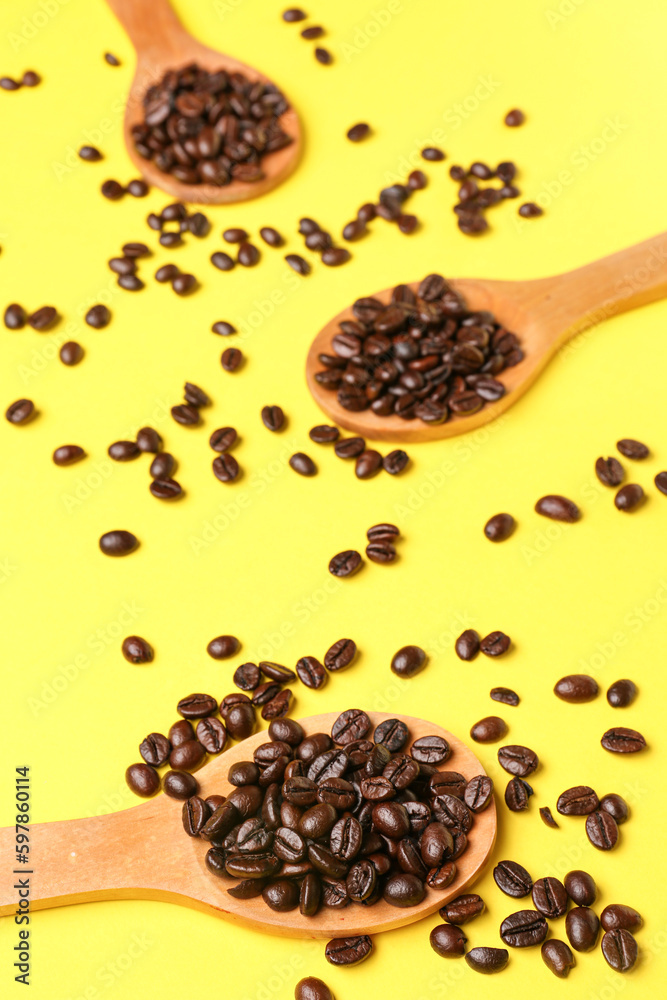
162	43
144	853
544	313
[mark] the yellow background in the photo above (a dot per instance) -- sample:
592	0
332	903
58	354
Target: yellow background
590	597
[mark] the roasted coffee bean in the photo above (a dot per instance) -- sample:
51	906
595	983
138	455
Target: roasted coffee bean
403	890
578	801
187	757
467	645
148	440
130	283
197	706
278	706
489	730
524	929
432	153
361	881
311	988
345	563
463	908
618	916
348	951
349	447
137	650
155	749
247	255
281	896
518	760
15	317
495	644
181	732
629	497
452	812
392	733
622	693
166	273
235	235
448	941
547	818
286	731
194	815
71	353
499	527
622	740
212	735
576	688
616	806
550	897
179	785
517	794
311	672
226	468
582	928
368	464
442	876
273	417
381	552
601	830
340	654
661	482
142	779
408	661
223	439
166	489
303	464
557	957
277	672
632	449
135	250
323	56
358	132
265	693
297	263
430	750
609	471
185	414
20	412
123	451
395	462
513	879
231	359
558	508
514	118
112	190
222	261
478	793
248	888
222	647
505	695
487	960
247	676
619	949
580	887
350	725
530	210
98	317
183	284
118	543
137	188
215	862
68	454
43	319
244	772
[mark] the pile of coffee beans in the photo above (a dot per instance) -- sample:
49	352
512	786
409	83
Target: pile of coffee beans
187	413
603	815
126	266
210	128
474	199
389	206
368	461
318	239
174	221
148	441
610	472
340	818
423	355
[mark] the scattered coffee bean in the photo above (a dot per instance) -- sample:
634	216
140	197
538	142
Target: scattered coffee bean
547	818
323	56
71	353
517	795
303	464
576	688
311	672
577	801
349	447
463	908
514	118
381	552
618	916
529	210
43	319
223	439
222	261
395	462
495	644
231	359
558	508
580	887
162	465
467	645
632	449
629	497
294	14
223	328
123	451
368	464
622	740
67	454
142	779
550	897
448	941
226	468
661	482
112	190
557	957
622	693
186	415
601	830
167	273
297	263
609	471
345	563
358	132
311	988
408	661
431	750
165	489
273	418
223	646
582	928
118	543
137	188
171	240
340	655
518	760
433	154
183	284
180	785
137	650
513	879
235	236
348	951
247	255
323	434
505	695
619	949
524	929
499	527
487	960
616	806
489	730
90	153
155	749
271	236
15	317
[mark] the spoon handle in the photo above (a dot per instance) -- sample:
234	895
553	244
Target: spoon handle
152	26
576	300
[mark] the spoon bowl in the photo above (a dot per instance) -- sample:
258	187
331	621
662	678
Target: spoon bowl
544	313
144	853
162	44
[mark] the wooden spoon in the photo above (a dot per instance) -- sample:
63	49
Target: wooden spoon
544	313
162	43
144	853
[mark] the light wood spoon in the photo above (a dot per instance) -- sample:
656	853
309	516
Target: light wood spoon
162	43
144	853
544	313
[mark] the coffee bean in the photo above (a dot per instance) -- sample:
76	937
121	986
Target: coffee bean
197	706
137	650
7	83
137	188
558	508
529	210
487	960
15	317
622	740
368	464
582	928
311	672
212	735
323	56
578	801
194	395
448	941
71	353
311	988
348	951
223	439
601	830
134	250
557	957
517	795
432	750
514	118
148	440
155	749
622	693
273	417
166	273
350	725
629	497
340	654
112	190
179	785
518	760
381	552
632	449
467	645
395	462
247	255
547	818
277	672
162	465
118	543
20	412
271	236
616	806
505	695
194	815
323	434
463	908
609	471
403	890
142	779
478	793
123	451
408	661
580	887
297	263
495	644
130	283
67	454
90	153
661	482
222	261
226	468
187	757
513	879
432	153
223	328
618	916
303	464
619	949
499	527
235	235
294	14
247	676
98	317
181	732
335	256
489	730
350	447
576	688
183	284
358	132
186	415
524	929
231	359
345	563
550	897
